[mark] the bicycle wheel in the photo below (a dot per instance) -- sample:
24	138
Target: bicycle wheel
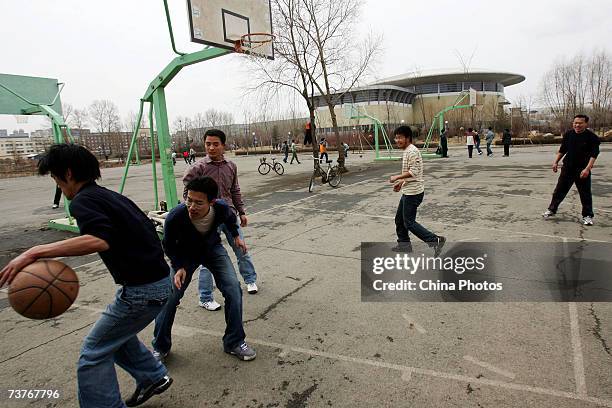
264	168
335	177
279	169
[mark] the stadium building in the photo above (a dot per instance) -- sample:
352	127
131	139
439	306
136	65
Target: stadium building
415	99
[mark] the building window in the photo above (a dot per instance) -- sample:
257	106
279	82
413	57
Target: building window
450	87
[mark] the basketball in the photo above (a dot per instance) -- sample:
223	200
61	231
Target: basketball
43	289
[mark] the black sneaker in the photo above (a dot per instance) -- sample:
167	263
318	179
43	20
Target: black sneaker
141	395
438	245
160	355
404	247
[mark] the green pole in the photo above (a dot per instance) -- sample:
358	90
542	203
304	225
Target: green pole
153	161
129	155
163	137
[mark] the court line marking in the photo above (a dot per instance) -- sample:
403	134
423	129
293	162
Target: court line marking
490	367
402	368
578	358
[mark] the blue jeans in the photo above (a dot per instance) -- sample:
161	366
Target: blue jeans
113	340
405	220
220	264
489	151
245	266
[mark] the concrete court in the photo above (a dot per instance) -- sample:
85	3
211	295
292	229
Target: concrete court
318	344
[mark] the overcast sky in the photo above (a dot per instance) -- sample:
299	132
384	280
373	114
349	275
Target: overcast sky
112	49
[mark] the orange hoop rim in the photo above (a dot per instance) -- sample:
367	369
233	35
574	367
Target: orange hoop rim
246	38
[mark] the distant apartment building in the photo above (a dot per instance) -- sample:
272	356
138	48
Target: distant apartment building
113	144
23	147
3	133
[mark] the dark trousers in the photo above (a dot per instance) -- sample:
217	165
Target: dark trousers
489	151
405	220
470	151
444	143
58	195
477	141
506	150
567	178
286	155
220	265
294	157
326	157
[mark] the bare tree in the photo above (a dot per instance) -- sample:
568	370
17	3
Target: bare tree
182	128
67	111
79	118
212	117
104	116
339	65
199	123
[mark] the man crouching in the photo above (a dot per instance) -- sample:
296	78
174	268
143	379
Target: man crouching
191	239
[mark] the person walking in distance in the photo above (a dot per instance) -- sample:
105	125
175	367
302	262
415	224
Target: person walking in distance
294	153
285	150
57	197
507	141
444	142
114	227
469	141
476	140
225	174
411	184
489	138
323	150
579	150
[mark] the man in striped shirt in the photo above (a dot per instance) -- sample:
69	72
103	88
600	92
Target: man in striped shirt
410	183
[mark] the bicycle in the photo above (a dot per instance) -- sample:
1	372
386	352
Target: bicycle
264	166
331	175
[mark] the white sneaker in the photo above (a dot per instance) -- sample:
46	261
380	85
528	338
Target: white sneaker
587	220
212	305
547	214
252	288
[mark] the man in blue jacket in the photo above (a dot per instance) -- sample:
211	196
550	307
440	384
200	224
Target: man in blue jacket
191	239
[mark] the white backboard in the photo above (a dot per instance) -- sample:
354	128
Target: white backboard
221	23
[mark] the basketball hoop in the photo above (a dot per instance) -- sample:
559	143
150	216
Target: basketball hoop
249	43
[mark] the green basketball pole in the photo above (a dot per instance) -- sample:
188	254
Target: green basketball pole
156	97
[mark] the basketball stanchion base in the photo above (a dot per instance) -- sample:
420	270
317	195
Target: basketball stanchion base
64	224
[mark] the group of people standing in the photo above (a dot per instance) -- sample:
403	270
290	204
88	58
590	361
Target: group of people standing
472	141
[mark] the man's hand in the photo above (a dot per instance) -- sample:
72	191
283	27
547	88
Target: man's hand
243	220
398	186
9	272
240	244
393	179
179	278
585	173
555	167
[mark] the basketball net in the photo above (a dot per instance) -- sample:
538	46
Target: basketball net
250	43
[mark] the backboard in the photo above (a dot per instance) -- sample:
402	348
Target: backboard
473	97
221	23
36	90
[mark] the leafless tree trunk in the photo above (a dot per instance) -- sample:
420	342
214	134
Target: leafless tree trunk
104	115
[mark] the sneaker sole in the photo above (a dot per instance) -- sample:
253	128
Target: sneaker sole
241	357
210	310
154	391
251	292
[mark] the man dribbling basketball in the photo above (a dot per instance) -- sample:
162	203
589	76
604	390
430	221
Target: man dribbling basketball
112	225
